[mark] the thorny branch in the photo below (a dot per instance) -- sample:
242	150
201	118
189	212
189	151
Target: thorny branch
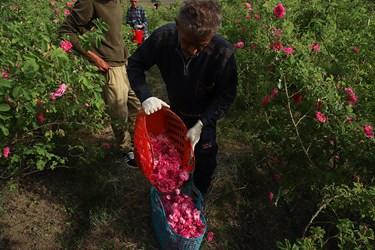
295	125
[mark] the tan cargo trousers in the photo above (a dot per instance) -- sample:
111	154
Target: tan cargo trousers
122	106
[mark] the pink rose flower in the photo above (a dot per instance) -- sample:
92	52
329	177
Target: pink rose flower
315	46
351	95
52	3
288	50
58	92
368	131
352	99
248	17
266	100
66	46
86	105
106	145
297	98
277	32
274	92
355	50
320	117
256	16
350	119
39	102
277	176
279	11
66	12
5	75
276	46
248	5
238	45
41	117
253	45
6	152
349	91
270	196
70	5
8	100
57	11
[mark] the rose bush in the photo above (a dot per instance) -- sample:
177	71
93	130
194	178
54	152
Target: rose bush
305	99
47	91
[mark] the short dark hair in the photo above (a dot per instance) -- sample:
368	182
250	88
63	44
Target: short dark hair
200	16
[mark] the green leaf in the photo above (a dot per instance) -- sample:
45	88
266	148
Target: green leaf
4	130
4	107
5	83
4	117
31	63
17	92
59	55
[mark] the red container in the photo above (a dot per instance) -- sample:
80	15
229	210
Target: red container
138	36
162	121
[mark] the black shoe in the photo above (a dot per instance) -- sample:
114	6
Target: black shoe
129	159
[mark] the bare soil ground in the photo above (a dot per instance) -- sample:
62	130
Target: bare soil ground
73	209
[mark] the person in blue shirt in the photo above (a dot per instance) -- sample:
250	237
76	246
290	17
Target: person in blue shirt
136	17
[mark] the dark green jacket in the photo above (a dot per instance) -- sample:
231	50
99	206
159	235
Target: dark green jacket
112	49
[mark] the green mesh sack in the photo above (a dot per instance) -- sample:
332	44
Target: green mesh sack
167	237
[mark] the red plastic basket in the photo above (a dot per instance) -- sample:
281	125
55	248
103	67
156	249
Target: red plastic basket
162	121
138	36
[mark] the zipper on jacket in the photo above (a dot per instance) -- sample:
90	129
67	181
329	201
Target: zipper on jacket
186	64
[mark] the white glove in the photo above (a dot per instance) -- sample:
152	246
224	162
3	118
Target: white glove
194	134
139	26
153	104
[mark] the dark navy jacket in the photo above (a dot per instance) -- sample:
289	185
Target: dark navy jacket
204	85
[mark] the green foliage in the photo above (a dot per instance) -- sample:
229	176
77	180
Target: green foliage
308	154
164	14
31	122
319	76
355	212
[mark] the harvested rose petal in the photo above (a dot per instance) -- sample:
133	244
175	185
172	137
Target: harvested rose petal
182	216
167	174
210	236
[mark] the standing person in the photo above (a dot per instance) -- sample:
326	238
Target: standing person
137	18
200	73
110	58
